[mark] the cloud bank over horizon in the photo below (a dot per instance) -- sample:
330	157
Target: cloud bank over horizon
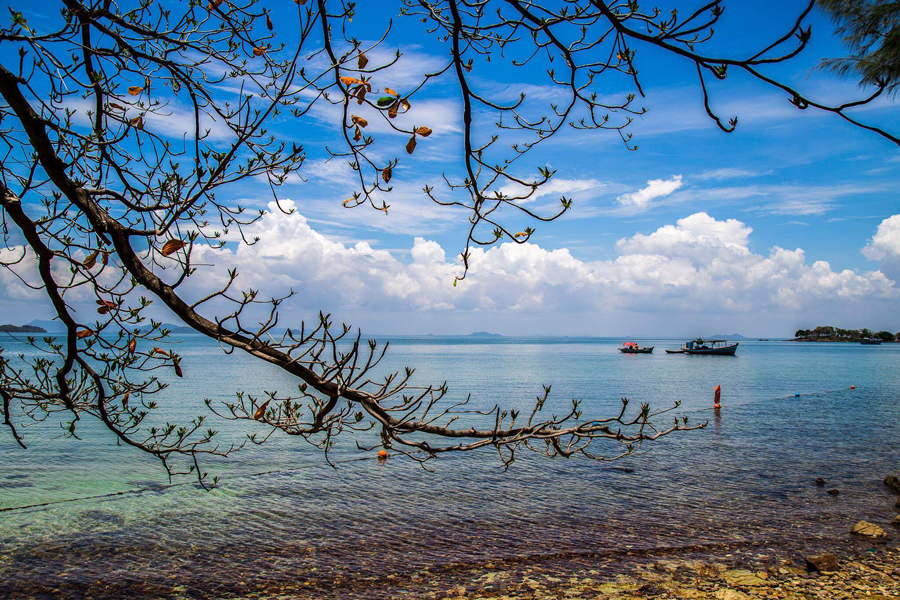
698	270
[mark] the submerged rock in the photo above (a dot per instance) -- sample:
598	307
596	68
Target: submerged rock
742	577
893	482
726	594
820	481
834	492
871	530
822	563
896	521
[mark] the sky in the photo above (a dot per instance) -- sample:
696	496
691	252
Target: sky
790	222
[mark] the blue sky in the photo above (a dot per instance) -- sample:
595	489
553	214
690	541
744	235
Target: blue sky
677	238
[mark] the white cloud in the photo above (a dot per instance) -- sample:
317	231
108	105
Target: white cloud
556	187
885	244
656	188
726	173
699	265
678	276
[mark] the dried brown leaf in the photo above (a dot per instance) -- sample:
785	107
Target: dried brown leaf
90	260
411	145
172	246
261	411
423	131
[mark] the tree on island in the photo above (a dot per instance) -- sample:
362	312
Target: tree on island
836	334
113	206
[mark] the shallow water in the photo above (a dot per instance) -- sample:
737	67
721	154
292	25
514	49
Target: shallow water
284	520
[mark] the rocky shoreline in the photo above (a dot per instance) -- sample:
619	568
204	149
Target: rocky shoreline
870	570
872	575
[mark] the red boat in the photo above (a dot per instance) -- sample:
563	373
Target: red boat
635	348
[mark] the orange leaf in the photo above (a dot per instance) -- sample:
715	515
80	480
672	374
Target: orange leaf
521	234
348	201
135	90
362	61
358	121
159	351
138	122
132	345
106	303
357	135
260	50
83	333
405	104
91	260
386	174
125	399
392	111
116	106
172	246
104	258
411	145
388	90
348	81
423	131
261	411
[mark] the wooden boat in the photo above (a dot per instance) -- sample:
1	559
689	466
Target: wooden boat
674	351
710	347
634	348
870	342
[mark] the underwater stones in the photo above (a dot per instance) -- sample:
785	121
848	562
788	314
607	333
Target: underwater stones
869	530
742	577
821	563
893	482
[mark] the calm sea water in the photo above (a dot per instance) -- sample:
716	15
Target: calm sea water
89	518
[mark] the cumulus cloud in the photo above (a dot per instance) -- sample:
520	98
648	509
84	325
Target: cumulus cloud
698	264
886	241
698	268
656	188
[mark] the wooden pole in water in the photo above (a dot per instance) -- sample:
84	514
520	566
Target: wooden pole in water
718	397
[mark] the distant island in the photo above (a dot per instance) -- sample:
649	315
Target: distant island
827	333
21	329
484	334
733	336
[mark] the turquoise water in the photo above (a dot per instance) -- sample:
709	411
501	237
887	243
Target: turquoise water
285	519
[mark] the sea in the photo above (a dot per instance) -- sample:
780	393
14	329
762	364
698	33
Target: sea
87	517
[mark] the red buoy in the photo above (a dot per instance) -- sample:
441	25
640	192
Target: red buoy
382	454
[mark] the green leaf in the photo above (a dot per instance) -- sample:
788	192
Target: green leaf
386	100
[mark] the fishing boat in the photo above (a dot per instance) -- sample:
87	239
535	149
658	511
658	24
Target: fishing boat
679	351
710	347
870	342
635	348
